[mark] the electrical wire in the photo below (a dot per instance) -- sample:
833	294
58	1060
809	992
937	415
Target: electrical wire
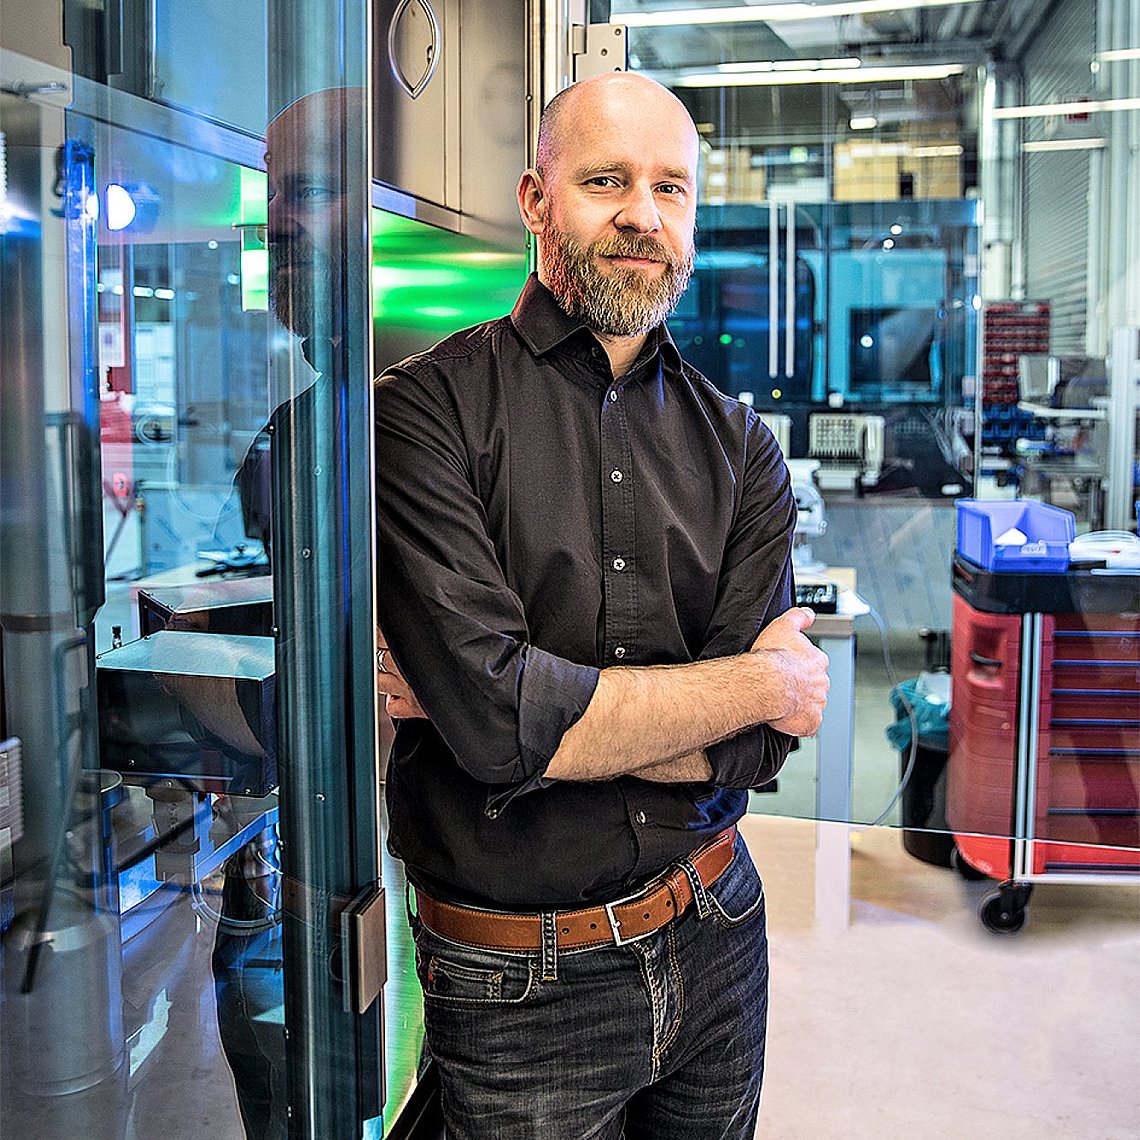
908	708
236	925
912	753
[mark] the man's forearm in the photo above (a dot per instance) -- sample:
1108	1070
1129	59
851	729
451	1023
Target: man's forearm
691	769
642	718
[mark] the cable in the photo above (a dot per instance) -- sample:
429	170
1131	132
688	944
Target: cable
239	925
912	753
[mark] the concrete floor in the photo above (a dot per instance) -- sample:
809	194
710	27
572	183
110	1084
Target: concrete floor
917	1022
910	1022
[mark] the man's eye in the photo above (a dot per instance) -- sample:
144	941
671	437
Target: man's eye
602	180
311	194
670	188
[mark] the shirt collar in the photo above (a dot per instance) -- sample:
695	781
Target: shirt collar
543	324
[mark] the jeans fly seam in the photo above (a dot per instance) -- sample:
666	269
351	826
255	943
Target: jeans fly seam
674	966
656	1008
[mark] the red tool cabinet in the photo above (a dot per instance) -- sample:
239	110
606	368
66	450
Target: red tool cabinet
1043	776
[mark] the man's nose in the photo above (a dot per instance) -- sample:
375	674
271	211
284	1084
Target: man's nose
639	210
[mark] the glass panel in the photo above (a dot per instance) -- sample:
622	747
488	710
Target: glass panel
189	801
911	259
221	76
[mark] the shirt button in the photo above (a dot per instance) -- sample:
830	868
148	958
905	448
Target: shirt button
619	651
640	817
616	476
618	564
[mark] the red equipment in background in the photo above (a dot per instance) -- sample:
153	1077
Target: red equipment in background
1043	776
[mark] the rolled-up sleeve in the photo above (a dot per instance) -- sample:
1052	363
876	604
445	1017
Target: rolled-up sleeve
755	587
457	630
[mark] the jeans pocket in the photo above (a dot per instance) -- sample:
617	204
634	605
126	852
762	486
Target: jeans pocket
453	974
738	895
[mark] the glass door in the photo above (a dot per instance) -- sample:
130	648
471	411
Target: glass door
190	891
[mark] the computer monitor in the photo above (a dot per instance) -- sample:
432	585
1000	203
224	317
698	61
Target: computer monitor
890	347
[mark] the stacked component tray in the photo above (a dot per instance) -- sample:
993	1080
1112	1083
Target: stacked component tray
1010	329
1043	777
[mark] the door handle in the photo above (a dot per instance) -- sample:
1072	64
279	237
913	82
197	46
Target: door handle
790	297
773	290
415	88
988	662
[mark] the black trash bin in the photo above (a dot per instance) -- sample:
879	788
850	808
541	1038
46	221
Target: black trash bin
922	806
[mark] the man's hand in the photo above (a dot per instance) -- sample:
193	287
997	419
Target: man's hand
801	669
399	701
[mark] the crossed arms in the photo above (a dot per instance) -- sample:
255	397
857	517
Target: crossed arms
514	714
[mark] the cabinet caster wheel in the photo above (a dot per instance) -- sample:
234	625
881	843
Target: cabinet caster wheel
965	869
1003	911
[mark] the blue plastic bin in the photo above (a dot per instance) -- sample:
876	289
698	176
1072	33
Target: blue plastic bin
1048	532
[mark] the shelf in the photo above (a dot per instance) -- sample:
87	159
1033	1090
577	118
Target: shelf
1080	415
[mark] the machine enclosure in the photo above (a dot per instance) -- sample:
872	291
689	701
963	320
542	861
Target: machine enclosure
196	708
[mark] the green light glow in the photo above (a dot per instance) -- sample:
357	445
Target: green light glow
253	191
253	194
434	281
254	279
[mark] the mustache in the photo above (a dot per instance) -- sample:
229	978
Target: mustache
634	245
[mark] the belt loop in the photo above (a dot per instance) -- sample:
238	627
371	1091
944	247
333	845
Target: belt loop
699	895
549	921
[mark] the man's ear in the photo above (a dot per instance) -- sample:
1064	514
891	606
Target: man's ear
532	200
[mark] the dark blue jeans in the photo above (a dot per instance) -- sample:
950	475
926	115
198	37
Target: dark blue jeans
651	1040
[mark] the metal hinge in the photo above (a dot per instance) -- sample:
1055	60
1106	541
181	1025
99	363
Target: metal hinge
597	49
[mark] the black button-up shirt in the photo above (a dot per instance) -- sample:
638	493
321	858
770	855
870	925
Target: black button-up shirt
540	520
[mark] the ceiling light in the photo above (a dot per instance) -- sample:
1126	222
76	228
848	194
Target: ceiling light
772	13
877	149
946	150
794	65
1077	107
1062	144
1117	55
863	122
760	78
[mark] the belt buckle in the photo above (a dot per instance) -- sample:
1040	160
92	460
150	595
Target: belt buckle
615	922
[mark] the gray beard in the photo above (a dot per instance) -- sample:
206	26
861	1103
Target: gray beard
298	291
622	302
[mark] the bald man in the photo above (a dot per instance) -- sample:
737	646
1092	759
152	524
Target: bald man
586	580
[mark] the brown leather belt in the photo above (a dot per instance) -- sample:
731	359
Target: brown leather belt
625	920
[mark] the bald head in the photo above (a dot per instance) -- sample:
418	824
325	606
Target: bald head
314	128
612	200
624	98
313	202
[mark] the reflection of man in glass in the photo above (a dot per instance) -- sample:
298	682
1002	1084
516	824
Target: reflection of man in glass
305	233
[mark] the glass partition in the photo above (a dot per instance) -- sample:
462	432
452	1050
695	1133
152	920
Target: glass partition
912	254
190	832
